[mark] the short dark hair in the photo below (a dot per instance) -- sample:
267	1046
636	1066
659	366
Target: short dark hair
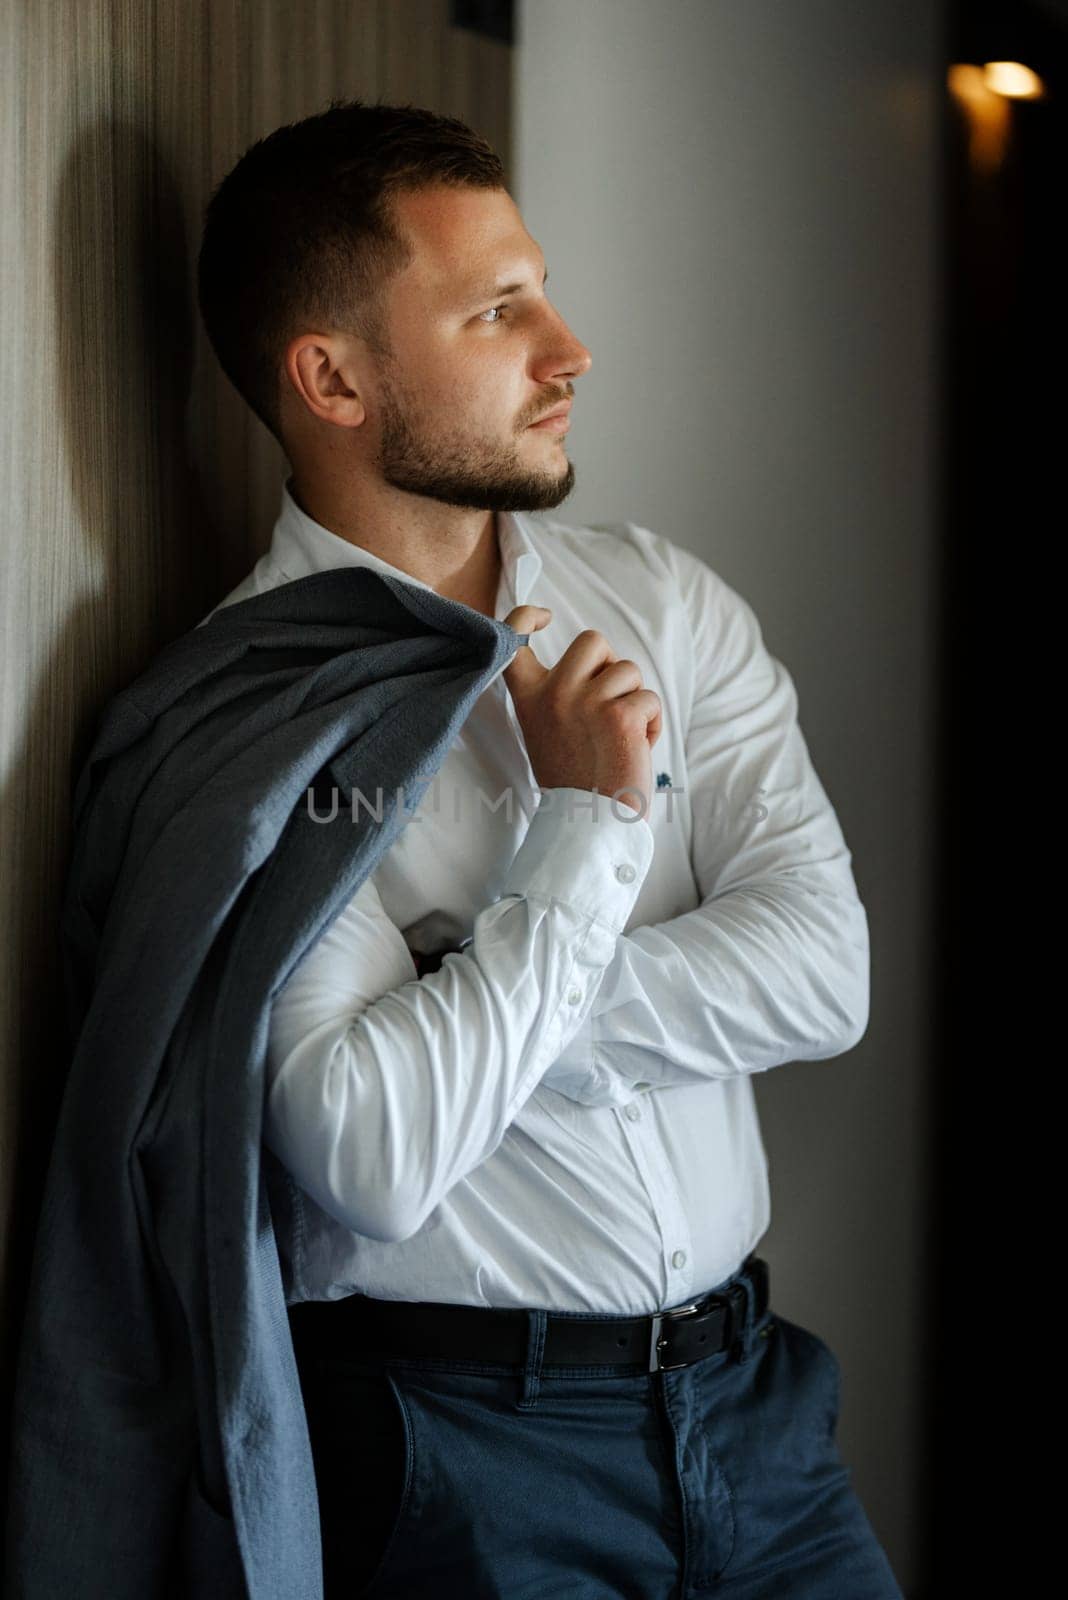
300	233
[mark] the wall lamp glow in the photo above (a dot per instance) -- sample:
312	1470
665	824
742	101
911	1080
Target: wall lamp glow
1013	80
983	94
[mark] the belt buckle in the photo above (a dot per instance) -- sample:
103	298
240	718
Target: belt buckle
658	1339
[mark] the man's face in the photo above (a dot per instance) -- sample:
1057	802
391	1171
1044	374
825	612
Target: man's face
472	368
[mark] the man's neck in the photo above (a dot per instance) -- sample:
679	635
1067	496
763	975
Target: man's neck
478	588
459	562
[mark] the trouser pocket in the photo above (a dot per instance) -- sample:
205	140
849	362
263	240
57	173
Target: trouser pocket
567	1498
361	1451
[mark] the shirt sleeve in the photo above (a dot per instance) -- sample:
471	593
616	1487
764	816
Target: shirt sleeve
385	1089
773	965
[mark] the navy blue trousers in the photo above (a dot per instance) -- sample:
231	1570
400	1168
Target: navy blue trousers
441	1478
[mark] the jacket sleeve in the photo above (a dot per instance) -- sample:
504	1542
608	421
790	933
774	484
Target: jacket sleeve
773	964
385	1089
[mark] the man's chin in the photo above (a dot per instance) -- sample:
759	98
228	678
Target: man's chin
546	493
541	491
522	495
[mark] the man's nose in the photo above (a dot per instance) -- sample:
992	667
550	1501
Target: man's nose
565	356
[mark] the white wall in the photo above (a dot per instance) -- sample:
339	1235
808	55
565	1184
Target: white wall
738	207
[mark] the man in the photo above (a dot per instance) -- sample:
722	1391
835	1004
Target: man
511	1083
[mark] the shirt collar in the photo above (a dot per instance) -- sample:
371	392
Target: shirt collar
300	545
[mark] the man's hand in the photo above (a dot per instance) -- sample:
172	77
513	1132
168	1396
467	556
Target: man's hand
431	962
588	722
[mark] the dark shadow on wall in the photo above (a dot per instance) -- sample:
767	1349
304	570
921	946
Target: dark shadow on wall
140	560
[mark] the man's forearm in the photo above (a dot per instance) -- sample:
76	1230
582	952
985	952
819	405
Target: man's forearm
763	974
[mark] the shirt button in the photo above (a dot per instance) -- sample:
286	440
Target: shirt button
625	872
631	1112
679	1258
574	996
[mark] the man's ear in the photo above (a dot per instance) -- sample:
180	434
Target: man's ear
318	380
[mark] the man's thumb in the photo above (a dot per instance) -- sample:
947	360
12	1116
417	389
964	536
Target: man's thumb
524	666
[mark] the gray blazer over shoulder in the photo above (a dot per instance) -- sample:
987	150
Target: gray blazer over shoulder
160	1445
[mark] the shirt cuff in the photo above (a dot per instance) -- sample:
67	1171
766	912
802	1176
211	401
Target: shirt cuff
585	851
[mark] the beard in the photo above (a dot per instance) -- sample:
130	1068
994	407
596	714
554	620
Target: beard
460	472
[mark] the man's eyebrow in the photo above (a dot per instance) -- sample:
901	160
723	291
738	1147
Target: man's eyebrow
497	291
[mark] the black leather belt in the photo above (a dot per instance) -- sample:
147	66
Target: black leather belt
659	1342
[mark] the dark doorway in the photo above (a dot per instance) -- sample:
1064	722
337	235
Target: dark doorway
997	1033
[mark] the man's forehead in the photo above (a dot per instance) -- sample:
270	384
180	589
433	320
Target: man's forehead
460	236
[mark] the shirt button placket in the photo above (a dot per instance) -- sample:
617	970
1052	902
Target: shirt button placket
659	1183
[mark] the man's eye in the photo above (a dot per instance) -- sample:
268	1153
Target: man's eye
487	313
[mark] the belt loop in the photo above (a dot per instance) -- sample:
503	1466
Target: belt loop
536	1325
742	1344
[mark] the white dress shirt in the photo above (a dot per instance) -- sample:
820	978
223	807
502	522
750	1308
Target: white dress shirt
562	1115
